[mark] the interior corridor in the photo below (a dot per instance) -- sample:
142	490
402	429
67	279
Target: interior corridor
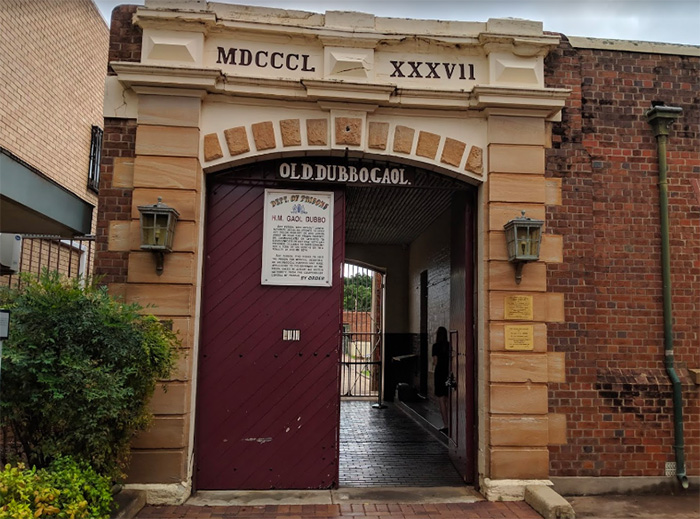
386	448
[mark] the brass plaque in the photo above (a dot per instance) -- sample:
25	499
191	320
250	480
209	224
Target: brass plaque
518	308
520	338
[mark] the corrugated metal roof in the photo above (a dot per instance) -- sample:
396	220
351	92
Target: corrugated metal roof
375	214
391	215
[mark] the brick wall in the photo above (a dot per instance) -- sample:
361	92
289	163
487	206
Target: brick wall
125	38
117	167
52	70
617	397
116	189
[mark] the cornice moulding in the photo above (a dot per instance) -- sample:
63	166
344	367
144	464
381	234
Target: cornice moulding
192	81
546	102
197	21
263	88
272	22
337	90
137	74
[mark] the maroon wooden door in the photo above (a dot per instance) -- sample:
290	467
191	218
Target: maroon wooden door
267	409
462	396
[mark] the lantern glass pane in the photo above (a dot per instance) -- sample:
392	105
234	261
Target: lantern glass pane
510	242
523	247
147	229
161	230
535	240
172	220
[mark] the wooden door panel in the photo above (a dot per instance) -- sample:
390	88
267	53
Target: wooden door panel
267	409
462	444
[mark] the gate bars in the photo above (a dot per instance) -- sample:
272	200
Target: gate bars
362	337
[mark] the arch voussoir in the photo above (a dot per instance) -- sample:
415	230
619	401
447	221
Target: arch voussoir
373	135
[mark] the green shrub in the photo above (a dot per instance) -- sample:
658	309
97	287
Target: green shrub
78	370
66	489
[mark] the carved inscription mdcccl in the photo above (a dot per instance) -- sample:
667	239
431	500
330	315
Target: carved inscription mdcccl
263	58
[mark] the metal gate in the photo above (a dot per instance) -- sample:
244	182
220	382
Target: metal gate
72	257
363	306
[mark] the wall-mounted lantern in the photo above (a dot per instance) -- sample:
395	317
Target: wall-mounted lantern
523	237
158	230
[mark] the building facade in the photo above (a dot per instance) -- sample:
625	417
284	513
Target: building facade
290	143
46	144
52	67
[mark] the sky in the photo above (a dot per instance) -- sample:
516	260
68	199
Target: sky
668	21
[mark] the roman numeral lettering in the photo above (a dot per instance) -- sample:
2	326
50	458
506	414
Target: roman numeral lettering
449	69
397	69
414	66
433	72
229	58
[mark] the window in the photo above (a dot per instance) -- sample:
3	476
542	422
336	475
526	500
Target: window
95	154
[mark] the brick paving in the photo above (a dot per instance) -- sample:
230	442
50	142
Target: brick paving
386	448
480	510
379	448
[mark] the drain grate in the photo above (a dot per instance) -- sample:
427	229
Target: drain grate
670	468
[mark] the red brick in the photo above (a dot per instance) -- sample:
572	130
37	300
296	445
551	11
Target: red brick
617	396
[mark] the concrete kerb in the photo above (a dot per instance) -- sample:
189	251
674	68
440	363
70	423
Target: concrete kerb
548	503
346	495
128	504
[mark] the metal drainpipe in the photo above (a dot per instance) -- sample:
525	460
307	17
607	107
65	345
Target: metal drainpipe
661	118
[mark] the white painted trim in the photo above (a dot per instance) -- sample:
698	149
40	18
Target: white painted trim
579	42
196	318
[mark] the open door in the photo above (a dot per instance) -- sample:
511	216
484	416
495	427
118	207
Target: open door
462	401
268	404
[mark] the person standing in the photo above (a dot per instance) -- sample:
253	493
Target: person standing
441	368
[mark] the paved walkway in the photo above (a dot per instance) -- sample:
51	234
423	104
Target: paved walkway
685	505
480	510
386	448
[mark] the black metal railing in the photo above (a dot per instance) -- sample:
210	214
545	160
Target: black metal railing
72	257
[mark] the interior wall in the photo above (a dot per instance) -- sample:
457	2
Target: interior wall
430	252
393	259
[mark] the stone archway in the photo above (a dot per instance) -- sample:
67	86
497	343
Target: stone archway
175	115
379	137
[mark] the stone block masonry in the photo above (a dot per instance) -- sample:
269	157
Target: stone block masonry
154	155
617	397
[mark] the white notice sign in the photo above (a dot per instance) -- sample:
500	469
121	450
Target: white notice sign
298	238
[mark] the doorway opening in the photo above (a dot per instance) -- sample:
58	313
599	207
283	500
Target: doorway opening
417	240
363	333
270	388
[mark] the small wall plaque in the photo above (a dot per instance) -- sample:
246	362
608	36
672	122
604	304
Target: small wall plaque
519	338
518	308
291	335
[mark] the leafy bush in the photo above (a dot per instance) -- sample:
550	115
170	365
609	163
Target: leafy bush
78	370
65	489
